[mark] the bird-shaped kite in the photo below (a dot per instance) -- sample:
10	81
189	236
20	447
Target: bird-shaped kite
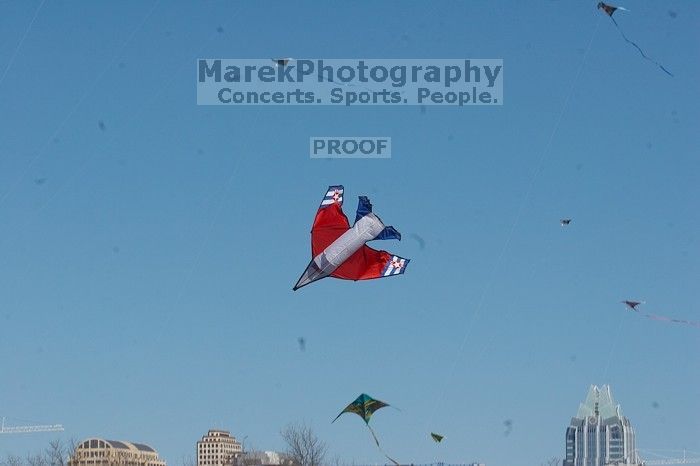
340	251
610	10
364	406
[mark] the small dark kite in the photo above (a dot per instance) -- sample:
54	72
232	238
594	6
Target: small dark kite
610	10
281	61
632	304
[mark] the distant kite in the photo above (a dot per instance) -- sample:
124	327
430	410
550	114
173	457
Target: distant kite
437	437
364	406
565	221
632	305
302	343
282	61
610	10
509	427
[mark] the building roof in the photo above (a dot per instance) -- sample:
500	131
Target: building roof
599	403
143	447
117	444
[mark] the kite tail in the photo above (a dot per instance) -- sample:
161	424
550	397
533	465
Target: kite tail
640	50
376	440
669	319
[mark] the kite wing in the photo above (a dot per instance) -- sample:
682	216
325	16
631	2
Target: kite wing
330	221
364	406
608	9
368	263
632	304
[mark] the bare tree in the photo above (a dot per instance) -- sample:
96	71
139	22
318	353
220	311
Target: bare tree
335	461
304	448
56	453
12	460
37	459
187	460
553	461
70	448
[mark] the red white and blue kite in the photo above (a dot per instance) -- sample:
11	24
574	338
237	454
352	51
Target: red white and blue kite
340	251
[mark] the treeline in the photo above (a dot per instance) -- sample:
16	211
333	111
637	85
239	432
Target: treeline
304	448
56	454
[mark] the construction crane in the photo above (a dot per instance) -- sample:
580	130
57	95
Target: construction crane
29	429
663	461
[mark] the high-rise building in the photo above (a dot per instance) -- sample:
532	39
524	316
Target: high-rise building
217	448
99	452
599	434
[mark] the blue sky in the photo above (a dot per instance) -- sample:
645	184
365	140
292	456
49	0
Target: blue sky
146	282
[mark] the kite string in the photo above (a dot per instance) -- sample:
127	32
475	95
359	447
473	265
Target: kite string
613	347
82	167
514	224
219	202
210	228
670	319
74	109
21	41
376	440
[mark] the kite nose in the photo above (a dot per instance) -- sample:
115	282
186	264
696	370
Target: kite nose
310	275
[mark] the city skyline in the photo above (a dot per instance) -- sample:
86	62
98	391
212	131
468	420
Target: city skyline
149	244
598	435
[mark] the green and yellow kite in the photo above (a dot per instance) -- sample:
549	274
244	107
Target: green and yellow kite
364	406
